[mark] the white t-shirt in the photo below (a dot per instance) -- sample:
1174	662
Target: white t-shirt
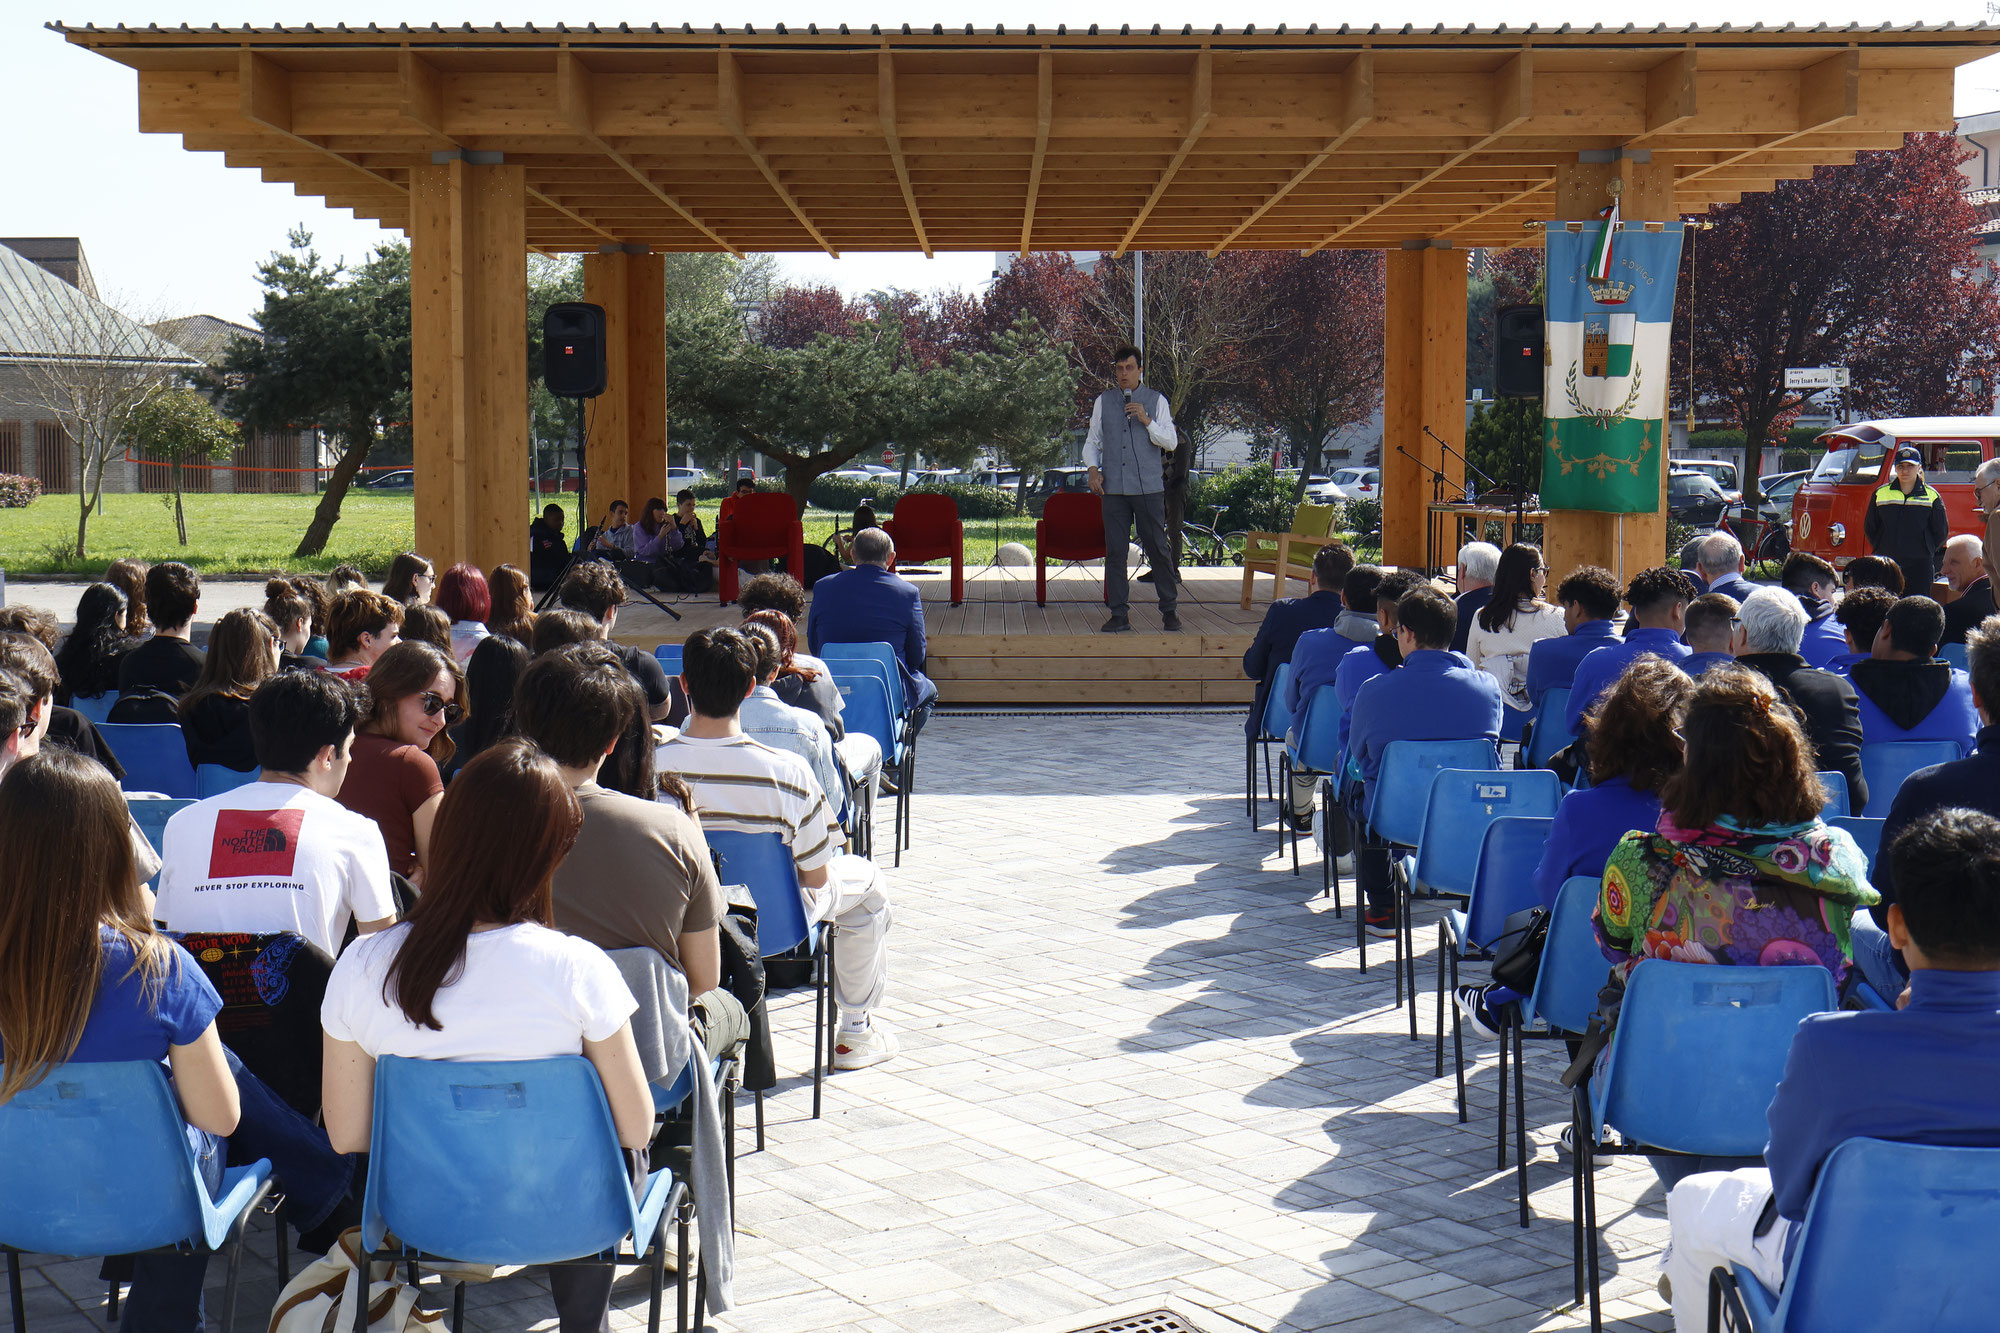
273	856
525	992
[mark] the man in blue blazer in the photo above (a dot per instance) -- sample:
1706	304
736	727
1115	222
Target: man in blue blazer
868	604
1288	618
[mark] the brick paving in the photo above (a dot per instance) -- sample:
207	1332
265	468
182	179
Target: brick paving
1139	1069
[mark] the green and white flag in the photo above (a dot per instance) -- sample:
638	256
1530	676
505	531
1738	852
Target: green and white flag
1610	311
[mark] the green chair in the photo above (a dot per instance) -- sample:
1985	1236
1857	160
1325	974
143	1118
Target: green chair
1288	554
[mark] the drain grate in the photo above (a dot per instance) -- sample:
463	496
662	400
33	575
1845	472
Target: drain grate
1153	1321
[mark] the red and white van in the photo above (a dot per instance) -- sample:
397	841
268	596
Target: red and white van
1830	506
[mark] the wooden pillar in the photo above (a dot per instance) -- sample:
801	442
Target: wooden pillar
1423	384
469	371
628	423
1573	537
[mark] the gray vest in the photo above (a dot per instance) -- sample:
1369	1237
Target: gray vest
1132	462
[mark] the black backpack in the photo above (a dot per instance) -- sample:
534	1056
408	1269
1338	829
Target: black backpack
145	705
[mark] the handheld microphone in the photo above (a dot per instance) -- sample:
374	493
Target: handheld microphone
1128	395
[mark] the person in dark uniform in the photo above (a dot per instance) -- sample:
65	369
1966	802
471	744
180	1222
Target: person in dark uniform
1907	523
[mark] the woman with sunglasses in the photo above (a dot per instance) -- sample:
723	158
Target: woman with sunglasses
416	693
1511	624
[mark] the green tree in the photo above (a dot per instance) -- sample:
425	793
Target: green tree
337	357
1505	442
178	427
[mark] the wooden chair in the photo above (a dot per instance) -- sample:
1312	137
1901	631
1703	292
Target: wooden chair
927	527
759	527
1071	528
1288	554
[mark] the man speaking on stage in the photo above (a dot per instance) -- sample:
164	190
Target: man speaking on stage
1131	435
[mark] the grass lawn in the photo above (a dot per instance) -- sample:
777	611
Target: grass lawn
256	534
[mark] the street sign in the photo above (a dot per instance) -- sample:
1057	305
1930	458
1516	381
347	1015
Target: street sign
1816	377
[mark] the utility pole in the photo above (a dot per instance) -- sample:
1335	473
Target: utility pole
1139	300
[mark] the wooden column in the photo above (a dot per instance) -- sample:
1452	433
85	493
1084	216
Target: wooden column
469	371
1572	537
1423	385
628	423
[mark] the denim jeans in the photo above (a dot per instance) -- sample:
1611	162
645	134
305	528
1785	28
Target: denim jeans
166	1288
1880	963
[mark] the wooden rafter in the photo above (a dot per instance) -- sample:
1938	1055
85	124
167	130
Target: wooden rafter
1201	106
265	94
885	82
1358	106
1045	104
729	104
1829	96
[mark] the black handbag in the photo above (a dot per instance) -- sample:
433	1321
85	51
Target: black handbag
1517	950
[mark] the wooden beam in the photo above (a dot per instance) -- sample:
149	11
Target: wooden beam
885	102
1829	95
1510	201
1423	384
1045	98
1670	93
264	90
1201	105
729	102
1357	108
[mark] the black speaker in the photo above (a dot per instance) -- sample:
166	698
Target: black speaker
573	349
1517	351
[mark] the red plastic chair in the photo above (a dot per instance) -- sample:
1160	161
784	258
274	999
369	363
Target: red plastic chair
1071	528
927	527
759	527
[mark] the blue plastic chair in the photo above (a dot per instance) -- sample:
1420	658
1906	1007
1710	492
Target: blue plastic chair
1838	804
1503	883
1271	729
1692	1067
1887	763
508	1162
151	815
95	1159
154	755
1893	1238
1549	736
763	863
1312	745
215	779
668	655
1955	655
96	707
866	707
1462	803
1867	834
830	653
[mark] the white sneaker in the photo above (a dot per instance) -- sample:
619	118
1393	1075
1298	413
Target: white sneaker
858	1050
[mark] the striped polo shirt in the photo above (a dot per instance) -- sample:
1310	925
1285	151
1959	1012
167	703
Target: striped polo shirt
743	786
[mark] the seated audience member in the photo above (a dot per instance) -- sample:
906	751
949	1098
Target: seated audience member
1873	571
1589	599
415	693
1659	600
411	580
1964	568
1926	1072
742	786
490	680
649	543
1905	694
1741	871
1357	620
745	485
1861	614
316	597
784	594
344	578
97	983
88	657
767	718
427	624
858	754
553	629
478	974
27	657
1434	695
1710	619
281	853
1633	749
1720	562
463	596
1477	563
215	714
1510	625
1814	582
512	607
1690	564
690	561
1290	619
595	589
129	577
615	540
640	875
548	547
360	627
1362	665
292	614
1766	640
1317	656
168	662
869	604
862	519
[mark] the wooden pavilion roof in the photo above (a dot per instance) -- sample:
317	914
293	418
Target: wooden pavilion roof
1015	139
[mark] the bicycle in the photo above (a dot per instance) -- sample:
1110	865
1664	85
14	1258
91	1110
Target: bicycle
1202	544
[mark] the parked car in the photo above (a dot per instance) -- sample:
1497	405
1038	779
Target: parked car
561	478
1064	479
1358	483
1830	506
1008	478
678	477
1722	472
1694	498
402	479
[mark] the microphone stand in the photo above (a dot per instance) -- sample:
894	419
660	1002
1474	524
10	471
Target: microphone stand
582	552
1438	480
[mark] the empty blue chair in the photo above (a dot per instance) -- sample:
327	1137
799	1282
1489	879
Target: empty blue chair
1867	835
95	1159
215	779
762	863
1955	654
508	1162
151	815
1692	1067
1886	763
871	652
1312	745
1838	804
866	707
1461	804
1271	729
1549	735
1895	1237
668	655
96	707
1503	883
154	755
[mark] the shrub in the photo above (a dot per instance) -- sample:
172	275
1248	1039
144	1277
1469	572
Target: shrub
17	492
1253	499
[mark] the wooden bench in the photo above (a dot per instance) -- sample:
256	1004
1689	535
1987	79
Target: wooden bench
1288	554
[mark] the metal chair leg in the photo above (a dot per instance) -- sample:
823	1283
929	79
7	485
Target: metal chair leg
681	1285
1500	1109
656	1280
1284	785
822	1032
759	1096
1585	1155
14	1298
1457	1039
1408	940
111	1300
1520	1119
1250	778
458	1307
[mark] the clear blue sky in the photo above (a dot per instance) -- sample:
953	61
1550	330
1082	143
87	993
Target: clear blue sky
172	232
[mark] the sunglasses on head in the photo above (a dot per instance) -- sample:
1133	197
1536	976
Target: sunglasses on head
435	703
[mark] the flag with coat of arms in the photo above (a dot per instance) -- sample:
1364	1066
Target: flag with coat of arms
1610	310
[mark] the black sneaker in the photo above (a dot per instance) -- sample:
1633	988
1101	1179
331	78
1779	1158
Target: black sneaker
1116	625
1170	622
1146	577
1381	924
1471	1001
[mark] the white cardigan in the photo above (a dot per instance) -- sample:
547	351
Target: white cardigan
1503	654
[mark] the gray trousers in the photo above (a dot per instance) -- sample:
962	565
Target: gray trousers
1150	513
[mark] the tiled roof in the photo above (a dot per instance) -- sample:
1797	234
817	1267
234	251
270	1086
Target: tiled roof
43	318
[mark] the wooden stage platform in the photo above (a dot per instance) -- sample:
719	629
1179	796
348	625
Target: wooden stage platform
998	647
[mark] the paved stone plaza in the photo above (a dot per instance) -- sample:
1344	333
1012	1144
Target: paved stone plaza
1139	1069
